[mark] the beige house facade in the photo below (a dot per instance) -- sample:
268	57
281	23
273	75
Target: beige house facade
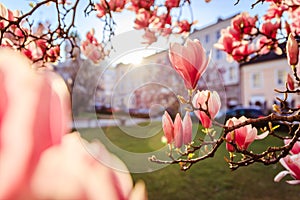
222	75
259	79
149	83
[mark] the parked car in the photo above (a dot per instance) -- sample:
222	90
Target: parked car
103	109
248	112
139	113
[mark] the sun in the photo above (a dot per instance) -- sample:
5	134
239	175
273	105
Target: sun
135	57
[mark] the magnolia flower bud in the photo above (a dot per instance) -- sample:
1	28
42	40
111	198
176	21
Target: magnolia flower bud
290	82
292	50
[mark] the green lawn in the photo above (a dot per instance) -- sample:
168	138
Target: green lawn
209	179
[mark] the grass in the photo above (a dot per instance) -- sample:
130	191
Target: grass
209	179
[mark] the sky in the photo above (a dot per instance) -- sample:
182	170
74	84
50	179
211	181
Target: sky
204	13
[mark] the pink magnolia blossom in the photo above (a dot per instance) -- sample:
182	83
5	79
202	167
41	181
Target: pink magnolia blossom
296	147
179	132
93	52
242	136
142	19
101	8
8	15
264	44
290	82
35	50
172	3
275	11
92	49
117	5
214	105
292	50
160	21
269	29
28	125
137	4
226	42
242	52
104	7
52	54
189	61
234	33
244	23
184	26
292	165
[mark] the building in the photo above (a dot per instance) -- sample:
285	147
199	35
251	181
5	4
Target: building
151	82
261	76
221	75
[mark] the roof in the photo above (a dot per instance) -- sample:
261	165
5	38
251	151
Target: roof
219	20
267	57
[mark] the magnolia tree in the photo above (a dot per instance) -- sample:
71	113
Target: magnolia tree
37	148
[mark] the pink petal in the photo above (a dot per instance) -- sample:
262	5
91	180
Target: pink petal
187	128
229	138
262	136
280	175
240	137
168	127
214	104
205	120
293	182
178	131
290	82
251	135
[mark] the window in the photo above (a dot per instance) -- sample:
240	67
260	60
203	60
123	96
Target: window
218	54
218	35
206	38
232	73
256	80
281	77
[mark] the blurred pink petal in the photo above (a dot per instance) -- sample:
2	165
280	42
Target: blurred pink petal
70	171
27	104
